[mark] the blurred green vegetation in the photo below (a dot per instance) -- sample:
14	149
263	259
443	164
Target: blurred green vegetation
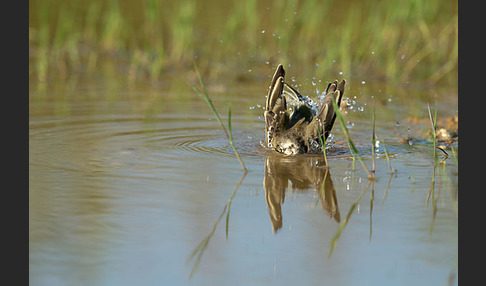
392	41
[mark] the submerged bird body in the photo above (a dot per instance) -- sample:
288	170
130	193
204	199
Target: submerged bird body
298	132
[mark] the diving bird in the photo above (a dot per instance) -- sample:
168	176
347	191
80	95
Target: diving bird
297	132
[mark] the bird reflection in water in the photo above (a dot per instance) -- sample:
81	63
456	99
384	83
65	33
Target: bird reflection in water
304	173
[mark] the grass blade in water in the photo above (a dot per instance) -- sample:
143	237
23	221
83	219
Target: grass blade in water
204	95
231	140
348	137
346	220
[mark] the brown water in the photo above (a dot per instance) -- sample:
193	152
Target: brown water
128	178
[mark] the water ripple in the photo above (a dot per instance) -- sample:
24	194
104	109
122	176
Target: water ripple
168	136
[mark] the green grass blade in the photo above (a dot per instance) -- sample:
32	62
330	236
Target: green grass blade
323	144
204	95
373	141
348	137
231	140
387	157
433	123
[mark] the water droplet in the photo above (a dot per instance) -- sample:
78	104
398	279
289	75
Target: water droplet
341	73
397	124
263	31
360	108
249	70
258	105
403	57
363	82
267	62
349	124
317	65
252	107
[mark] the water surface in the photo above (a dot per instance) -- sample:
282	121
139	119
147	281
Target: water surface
128	178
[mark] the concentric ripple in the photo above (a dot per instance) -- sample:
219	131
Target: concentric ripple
110	138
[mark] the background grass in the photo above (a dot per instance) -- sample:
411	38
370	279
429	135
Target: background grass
381	40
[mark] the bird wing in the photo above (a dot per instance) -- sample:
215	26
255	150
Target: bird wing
327	114
276	106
